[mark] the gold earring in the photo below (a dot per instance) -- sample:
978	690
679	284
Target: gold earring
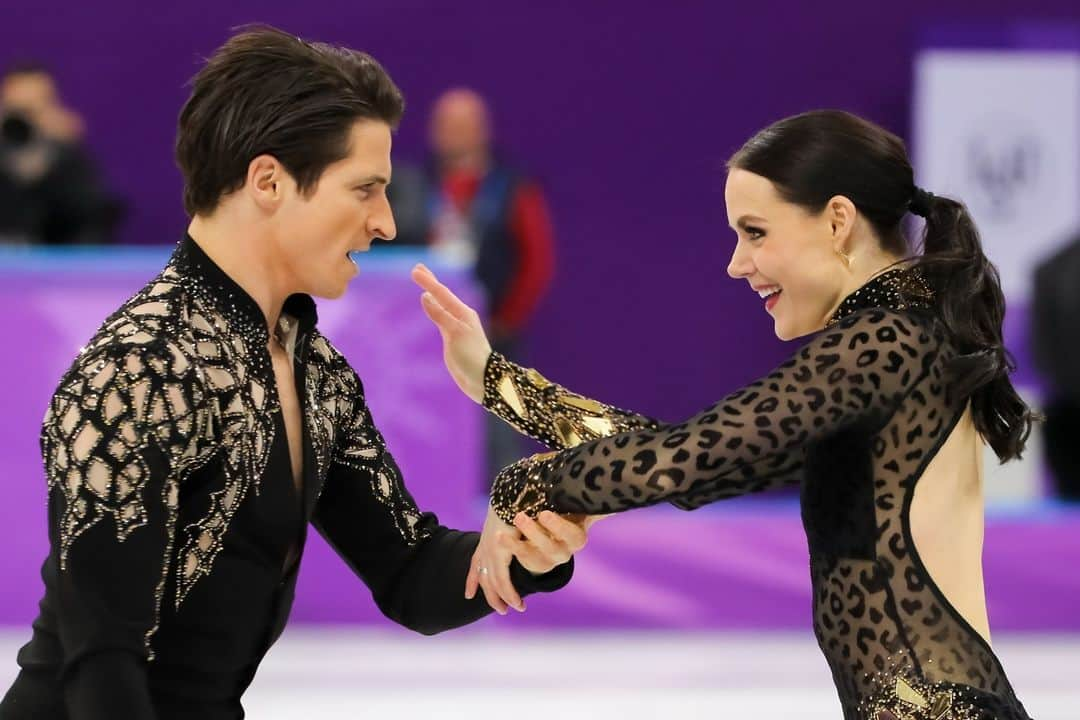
845	257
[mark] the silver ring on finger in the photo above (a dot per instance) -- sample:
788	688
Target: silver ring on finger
482	571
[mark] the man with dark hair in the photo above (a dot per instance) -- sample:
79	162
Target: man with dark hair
208	420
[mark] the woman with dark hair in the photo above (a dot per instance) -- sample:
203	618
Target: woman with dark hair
881	417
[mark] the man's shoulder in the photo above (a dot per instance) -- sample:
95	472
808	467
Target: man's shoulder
153	322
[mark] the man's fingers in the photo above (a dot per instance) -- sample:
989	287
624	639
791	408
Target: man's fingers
501	574
493	598
472	583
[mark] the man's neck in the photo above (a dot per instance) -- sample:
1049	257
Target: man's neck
246	256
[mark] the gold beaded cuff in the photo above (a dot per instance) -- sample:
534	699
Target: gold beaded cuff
521	488
550	413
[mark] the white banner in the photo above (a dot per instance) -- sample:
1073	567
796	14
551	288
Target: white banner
1000	130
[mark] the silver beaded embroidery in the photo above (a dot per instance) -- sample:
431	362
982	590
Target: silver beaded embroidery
183	366
363	449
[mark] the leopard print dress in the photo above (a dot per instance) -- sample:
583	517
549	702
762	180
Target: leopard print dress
854	418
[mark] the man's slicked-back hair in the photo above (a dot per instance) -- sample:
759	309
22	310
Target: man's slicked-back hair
267	92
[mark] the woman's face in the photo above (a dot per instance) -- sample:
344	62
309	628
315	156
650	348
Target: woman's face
786	254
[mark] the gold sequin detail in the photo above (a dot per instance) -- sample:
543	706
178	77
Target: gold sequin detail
601	426
553	415
908	694
566	432
548	412
898	289
521	489
905	698
510	396
537	379
589	406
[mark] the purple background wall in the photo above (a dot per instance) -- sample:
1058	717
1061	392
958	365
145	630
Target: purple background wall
730	566
626	112
624	109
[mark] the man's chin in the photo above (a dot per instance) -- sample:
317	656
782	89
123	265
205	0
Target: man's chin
330	293
333	284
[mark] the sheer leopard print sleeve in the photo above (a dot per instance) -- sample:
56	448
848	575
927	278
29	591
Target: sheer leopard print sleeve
856	371
550	413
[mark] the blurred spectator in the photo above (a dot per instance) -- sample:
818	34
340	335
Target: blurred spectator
1056	337
471	206
50	192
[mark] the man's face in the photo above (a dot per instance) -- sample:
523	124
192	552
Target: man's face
32	94
459	127
346	210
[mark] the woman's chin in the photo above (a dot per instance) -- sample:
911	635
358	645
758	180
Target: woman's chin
782	335
786	330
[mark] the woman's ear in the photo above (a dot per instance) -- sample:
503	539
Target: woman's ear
841	215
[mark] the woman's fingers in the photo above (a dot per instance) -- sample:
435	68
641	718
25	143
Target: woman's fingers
564	531
450	302
446	322
548	546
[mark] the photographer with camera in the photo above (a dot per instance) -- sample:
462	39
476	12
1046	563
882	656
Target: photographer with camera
50	191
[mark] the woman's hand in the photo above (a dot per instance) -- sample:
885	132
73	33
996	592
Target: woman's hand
465	346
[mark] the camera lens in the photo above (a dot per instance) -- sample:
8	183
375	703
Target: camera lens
16	130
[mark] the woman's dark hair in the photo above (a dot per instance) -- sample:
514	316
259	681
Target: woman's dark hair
813	157
265	91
